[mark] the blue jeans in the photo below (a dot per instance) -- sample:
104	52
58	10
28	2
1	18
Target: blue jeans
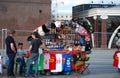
22	64
119	70
10	67
33	57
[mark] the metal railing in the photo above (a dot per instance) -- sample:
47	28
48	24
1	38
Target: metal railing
21	35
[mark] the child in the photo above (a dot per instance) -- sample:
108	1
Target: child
21	53
0	63
116	57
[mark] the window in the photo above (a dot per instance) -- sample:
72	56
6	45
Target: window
40	11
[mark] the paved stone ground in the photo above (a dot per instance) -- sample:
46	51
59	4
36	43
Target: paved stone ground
100	67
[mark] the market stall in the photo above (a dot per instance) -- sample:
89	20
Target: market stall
66	47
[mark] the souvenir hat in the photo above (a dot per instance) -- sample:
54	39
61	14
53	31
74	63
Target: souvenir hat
42	29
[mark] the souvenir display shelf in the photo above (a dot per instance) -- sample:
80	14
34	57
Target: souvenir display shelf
55	43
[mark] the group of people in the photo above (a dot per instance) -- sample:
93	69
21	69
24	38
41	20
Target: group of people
18	54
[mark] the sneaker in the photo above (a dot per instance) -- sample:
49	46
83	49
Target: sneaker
11	77
35	76
26	75
20	74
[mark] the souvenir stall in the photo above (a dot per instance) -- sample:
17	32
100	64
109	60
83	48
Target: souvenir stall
66	49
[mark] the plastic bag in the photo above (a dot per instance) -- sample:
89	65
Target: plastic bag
28	54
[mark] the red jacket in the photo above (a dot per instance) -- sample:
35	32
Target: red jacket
116	60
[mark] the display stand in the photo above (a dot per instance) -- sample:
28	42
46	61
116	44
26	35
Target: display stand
58	59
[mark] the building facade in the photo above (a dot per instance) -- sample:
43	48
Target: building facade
23	15
104	19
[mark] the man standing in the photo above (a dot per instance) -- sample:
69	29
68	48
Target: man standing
34	49
11	52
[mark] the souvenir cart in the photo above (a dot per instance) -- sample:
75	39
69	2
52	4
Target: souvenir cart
56	57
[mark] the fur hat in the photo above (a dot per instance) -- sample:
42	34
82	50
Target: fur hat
42	30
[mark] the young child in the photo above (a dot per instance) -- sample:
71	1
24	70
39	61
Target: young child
21	54
0	63
116	57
